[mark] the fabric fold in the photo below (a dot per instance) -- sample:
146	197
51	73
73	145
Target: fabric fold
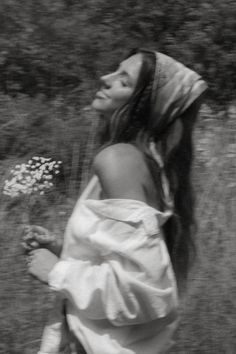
128	278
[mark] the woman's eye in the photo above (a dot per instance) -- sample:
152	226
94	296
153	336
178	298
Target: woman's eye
124	83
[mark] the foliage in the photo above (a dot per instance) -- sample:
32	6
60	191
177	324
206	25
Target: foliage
53	52
61	46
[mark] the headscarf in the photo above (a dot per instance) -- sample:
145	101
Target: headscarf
174	88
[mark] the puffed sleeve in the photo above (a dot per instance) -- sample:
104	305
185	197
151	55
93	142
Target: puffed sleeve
129	278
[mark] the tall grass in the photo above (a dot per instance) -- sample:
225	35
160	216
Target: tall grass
208	320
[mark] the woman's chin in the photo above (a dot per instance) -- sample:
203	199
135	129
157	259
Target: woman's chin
96	105
99	106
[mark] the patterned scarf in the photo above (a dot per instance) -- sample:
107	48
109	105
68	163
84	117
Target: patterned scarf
175	87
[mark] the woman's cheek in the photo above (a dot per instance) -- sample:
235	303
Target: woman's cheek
123	97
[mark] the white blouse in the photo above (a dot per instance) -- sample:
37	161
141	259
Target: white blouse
116	275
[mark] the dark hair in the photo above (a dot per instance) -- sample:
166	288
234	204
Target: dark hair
131	124
181	228
131	119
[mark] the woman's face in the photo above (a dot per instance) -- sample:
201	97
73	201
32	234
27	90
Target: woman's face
117	87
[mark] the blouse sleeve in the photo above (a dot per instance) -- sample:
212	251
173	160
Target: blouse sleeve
131	280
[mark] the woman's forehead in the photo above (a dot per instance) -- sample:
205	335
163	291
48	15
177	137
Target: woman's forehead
132	65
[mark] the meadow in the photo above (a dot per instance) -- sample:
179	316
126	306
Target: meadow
51	55
208	309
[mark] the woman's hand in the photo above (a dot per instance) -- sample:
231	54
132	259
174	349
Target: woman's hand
40	263
38	237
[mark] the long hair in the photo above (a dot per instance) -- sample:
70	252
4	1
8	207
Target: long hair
130	120
131	124
180	229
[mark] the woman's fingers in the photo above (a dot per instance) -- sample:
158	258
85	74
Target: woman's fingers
26	246
35	229
30	245
39	234
30	258
44	238
34	244
38	237
28	236
39	229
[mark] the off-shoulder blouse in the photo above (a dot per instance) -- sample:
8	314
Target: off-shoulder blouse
116	276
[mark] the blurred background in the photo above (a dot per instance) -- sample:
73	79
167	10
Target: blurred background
51	56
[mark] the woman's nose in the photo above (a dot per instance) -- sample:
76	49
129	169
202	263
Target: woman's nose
107	80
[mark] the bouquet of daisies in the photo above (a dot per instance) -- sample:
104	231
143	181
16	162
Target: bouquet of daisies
31	178
35	176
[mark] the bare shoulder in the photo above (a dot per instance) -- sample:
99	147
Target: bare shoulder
119	155
121	169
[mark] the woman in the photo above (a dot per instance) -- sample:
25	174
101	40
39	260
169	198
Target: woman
133	224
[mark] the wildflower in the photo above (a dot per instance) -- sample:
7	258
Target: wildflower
32	177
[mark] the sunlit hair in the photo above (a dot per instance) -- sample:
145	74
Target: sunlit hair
131	124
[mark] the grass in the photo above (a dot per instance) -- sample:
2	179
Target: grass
208	311
208	321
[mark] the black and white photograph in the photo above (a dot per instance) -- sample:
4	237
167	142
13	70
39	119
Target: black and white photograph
117	177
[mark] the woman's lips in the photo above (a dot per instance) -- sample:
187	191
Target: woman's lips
101	94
